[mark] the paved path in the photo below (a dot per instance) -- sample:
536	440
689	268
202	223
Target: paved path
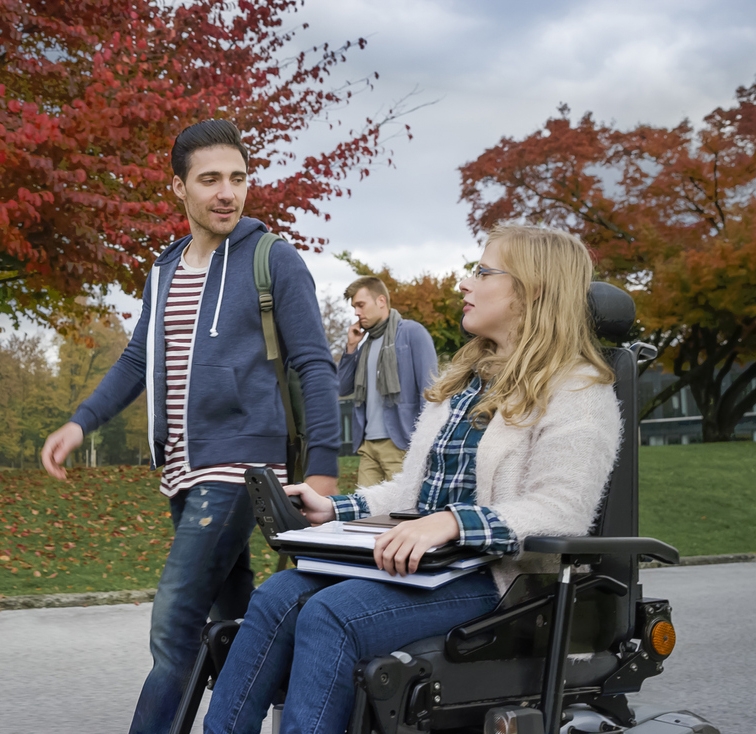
74	670
713	668
79	670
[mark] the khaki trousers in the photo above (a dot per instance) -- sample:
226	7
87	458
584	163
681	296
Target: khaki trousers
379	460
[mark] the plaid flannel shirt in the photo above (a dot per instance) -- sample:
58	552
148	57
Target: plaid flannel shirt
449	482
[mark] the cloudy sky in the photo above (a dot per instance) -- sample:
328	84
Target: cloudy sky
495	68
501	67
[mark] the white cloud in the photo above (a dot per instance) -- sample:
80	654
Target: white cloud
501	67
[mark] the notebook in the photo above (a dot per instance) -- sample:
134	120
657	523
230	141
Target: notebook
288	532
421	579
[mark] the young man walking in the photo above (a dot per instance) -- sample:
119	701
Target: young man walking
387	375
214	405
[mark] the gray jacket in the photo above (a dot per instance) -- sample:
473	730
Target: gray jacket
417	365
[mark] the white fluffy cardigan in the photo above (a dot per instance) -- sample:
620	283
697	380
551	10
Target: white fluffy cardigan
545	479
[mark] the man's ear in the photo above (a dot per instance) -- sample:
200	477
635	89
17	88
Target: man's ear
179	188
381	301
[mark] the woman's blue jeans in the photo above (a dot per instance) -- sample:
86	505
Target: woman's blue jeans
321	641
208	565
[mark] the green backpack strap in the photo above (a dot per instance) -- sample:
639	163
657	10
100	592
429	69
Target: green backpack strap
261	267
262	283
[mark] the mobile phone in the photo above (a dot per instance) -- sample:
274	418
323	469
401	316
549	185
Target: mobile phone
409	514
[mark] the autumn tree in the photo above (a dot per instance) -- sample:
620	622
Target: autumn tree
670	214
137	441
28	407
89	349
84	358
432	300
39	393
92	96
336	320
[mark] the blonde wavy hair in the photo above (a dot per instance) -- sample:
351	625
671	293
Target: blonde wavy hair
551	272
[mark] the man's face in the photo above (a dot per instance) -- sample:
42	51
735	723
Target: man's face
368	309
214	191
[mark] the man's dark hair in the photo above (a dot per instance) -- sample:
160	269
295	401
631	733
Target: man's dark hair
204	134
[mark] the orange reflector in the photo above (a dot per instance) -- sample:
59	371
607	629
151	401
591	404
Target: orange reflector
663	638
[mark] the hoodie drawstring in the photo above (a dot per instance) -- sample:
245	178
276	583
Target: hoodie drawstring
213	330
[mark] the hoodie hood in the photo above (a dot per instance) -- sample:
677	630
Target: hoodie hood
245	227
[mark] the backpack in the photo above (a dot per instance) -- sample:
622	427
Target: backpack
289	383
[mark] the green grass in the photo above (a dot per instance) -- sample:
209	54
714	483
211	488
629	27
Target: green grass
348	473
104	529
100	530
700	498
109	529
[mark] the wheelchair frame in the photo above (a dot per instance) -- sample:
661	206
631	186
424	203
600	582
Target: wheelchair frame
470	681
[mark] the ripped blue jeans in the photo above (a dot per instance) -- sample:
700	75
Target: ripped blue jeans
207	567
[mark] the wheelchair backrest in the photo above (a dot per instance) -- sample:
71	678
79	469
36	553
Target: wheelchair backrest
602	620
614	314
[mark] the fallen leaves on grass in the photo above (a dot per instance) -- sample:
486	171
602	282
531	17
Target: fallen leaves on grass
102	528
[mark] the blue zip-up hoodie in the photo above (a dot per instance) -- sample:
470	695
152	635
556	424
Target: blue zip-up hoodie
233	411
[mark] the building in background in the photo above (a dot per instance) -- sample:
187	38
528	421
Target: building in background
678	421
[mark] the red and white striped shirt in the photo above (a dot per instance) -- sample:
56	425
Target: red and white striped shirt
181	311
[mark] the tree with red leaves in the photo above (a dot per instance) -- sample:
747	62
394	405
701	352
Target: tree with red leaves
92	96
671	215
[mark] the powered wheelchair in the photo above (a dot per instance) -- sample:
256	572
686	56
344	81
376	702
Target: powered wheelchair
560	652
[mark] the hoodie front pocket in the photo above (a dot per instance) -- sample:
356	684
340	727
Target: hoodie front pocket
214	399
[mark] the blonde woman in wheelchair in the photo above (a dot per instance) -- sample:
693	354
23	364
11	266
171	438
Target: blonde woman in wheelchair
518	438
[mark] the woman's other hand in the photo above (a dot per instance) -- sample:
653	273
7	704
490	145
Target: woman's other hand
317	509
400	549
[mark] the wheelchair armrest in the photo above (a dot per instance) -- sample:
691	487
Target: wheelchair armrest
596	546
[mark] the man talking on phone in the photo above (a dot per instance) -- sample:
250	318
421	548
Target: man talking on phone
388	374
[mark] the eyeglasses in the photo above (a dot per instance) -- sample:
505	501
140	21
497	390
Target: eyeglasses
480	271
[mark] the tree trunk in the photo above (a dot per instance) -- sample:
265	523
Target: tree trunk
713	430
722	408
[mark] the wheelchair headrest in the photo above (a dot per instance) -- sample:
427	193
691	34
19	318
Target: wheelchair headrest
613	310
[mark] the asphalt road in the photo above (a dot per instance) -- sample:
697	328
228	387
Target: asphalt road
712	671
79	670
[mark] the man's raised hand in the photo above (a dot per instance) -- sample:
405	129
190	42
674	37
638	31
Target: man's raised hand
354	337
